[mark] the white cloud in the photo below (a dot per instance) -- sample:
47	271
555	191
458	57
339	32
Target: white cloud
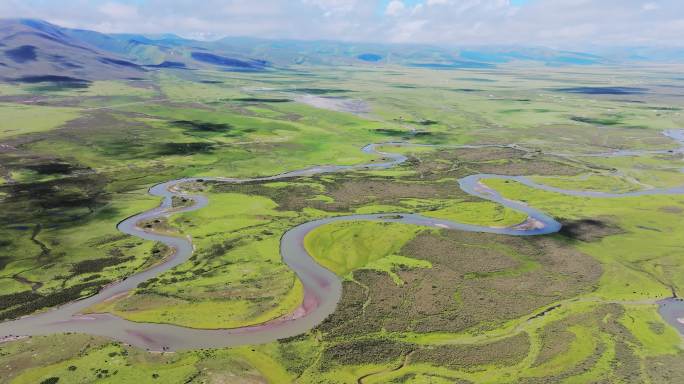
395	8
118	10
650	6
558	23
335	6
437	2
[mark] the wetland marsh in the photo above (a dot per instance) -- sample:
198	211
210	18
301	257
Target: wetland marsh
399	262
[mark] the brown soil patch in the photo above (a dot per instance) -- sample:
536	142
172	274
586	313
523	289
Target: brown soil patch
672	209
352	192
16	357
348	192
467	357
666	369
477	280
604	319
482	154
503	161
555	340
357	352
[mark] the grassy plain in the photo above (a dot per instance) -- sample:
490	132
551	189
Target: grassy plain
641	262
346	246
22	119
418	305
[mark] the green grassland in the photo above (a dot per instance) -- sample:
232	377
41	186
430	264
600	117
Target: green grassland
21	119
592	182
643	261
237	241
347	246
418	305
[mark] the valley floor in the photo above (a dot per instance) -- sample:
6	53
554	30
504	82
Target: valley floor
418	305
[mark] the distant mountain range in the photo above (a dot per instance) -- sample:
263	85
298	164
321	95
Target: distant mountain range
31	49
34	50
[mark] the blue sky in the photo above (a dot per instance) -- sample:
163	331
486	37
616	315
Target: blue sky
554	23
383	3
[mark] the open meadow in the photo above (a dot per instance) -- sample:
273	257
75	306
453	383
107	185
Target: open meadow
418	304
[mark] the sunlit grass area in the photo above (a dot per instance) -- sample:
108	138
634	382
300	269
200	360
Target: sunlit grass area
418	305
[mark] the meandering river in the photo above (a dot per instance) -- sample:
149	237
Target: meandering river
322	288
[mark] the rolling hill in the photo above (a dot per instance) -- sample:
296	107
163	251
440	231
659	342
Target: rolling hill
31	50
35	50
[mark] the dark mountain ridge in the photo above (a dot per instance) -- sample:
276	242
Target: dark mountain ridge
32	48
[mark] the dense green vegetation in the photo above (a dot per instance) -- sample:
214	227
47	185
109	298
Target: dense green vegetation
418	305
